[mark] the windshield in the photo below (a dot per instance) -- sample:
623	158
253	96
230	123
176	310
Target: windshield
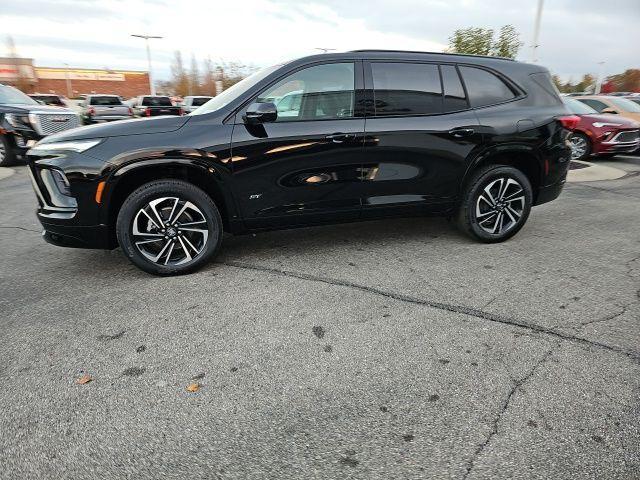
233	92
578	108
13	96
625	105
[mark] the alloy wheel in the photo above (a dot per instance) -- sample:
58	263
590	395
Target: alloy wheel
500	206
579	146
170	231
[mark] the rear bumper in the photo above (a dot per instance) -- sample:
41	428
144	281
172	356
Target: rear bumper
549	193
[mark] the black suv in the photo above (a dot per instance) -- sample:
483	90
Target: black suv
23	121
323	139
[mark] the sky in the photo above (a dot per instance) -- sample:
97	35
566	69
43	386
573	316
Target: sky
575	35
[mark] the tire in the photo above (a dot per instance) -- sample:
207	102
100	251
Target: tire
191	234
7	154
580	146
479	219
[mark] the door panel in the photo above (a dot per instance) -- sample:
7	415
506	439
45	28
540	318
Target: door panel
416	163
291	173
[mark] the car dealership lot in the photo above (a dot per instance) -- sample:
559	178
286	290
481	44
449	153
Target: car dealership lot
387	349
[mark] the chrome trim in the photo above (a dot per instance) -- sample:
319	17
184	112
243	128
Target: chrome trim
35	118
615	140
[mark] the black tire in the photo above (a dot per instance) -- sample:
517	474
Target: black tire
7	154
169	190
488	176
585	143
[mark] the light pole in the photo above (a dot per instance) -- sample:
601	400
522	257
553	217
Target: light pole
599	79
536	32
152	88
66	75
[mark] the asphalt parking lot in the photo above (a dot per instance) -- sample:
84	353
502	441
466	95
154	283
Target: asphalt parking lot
392	349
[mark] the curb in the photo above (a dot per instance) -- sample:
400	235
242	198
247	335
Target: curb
591	172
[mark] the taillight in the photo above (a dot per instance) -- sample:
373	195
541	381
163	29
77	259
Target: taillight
570	122
92	111
130	112
147	112
180	111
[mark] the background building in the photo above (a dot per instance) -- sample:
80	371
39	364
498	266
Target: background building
71	82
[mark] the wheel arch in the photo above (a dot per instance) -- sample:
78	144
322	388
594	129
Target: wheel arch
125	180
524	159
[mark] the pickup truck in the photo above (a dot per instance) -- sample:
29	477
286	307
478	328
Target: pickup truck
192	102
103	108
152	106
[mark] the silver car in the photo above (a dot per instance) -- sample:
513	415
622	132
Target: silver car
104	108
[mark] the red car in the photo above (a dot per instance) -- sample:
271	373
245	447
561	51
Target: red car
601	135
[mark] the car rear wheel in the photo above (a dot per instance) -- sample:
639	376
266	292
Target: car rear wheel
495	204
169	227
7	155
580	146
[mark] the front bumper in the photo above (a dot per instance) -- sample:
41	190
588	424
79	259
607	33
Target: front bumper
618	144
93	236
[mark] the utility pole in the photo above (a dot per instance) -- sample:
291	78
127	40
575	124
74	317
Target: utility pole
536	32
152	88
600	78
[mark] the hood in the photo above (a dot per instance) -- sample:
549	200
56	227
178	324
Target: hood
28	108
120	128
617	119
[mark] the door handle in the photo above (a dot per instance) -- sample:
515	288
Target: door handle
340	137
462	132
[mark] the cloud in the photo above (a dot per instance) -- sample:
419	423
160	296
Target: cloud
575	35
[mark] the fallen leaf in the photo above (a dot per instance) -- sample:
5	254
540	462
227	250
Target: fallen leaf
193	387
84	379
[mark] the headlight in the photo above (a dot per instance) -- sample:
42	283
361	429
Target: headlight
16	120
76	146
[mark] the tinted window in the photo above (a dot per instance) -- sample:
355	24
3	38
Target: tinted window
484	88
454	98
597	105
406	89
156	101
196	102
550	93
105	101
315	93
578	108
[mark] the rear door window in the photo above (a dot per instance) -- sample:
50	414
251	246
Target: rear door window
485	88
406	89
454	97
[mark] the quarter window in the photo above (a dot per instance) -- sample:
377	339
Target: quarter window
406	89
485	88
454	98
322	92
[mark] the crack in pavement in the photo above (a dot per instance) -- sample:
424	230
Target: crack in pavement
472	312
517	384
20	228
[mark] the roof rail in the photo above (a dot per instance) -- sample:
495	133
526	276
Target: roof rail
366	50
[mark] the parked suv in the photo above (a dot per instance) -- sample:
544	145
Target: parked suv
375	134
151	106
23	121
104	108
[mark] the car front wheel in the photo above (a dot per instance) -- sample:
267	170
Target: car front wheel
169	227
495	203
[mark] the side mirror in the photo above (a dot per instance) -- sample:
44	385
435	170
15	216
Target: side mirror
609	110
260	113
